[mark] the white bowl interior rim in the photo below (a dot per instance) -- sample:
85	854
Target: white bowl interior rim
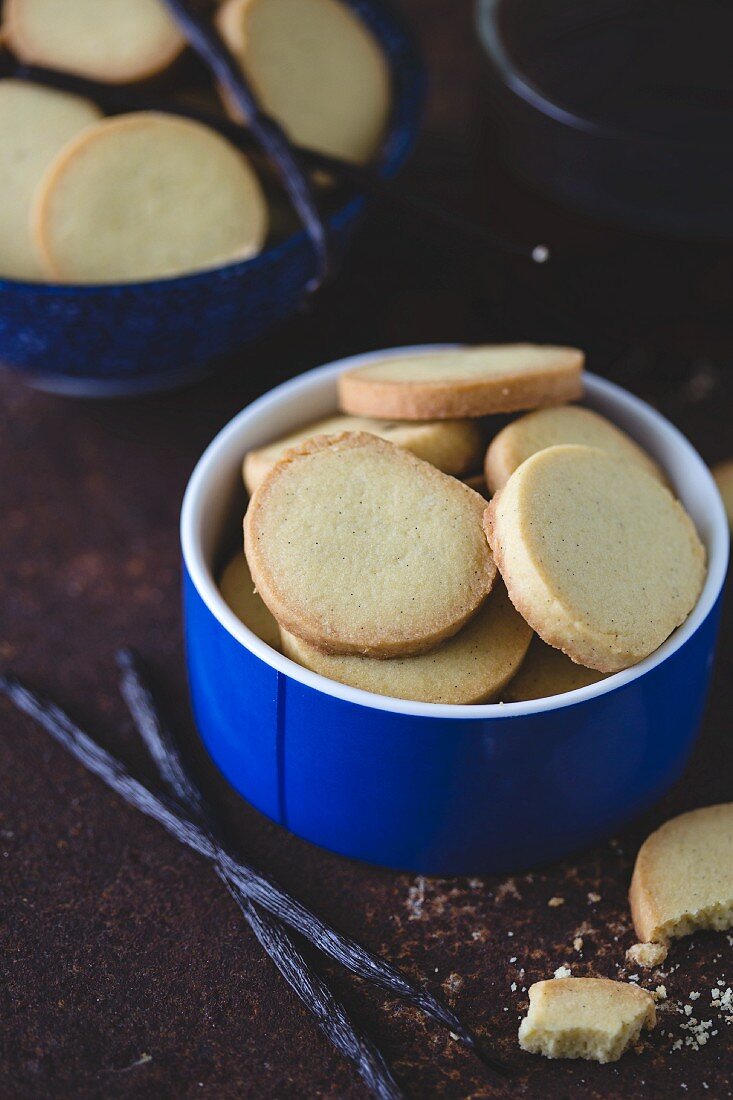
227	448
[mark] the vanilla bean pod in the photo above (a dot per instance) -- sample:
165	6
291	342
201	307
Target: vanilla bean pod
257	887
204	39
329	1013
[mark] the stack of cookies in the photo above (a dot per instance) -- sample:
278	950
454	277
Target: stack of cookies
372	559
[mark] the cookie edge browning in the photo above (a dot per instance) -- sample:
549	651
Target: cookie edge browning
649	924
588	648
559	383
12	36
495	464
267	588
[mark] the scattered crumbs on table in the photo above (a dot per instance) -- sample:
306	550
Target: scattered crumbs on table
593	897
554	902
578	943
563	972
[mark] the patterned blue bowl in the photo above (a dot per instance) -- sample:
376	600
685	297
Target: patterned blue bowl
129	338
436	788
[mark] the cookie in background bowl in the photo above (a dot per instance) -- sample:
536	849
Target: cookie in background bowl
146	195
358	547
35	125
238	590
117	41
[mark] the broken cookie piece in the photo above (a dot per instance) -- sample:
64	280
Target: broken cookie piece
683	877
647	955
592	1018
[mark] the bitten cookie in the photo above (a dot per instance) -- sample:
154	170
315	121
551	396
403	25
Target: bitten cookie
463	382
683	876
471	667
35	124
111	40
596	554
316	68
146	195
451	445
592	1018
723	474
549	427
545	672
238	589
356	546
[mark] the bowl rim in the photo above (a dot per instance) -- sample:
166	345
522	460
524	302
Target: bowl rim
403	126
522	85
201	575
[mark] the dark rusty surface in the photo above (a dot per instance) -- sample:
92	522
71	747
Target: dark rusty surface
124	968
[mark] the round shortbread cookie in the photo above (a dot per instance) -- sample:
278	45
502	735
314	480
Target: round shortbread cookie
451	445
723	474
596	554
593	1018
356	546
35	124
471	667
116	41
238	589
316	68
550	427
683	876
144	196
546	672
441	384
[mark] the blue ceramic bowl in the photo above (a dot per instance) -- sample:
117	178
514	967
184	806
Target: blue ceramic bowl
131	338
436	788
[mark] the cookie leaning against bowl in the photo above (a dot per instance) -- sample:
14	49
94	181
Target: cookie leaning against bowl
143	196
316	68
117	41
471	667
456	382
35	124
683	876
356	546
454	446
596	554
550	427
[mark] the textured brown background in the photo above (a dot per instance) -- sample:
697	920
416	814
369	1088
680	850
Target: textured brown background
124	968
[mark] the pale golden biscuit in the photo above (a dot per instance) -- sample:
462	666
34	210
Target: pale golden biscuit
238	589
35	124
723	474
112	40
647	955
316	68
451	445
143	196
356	546
596	554
683	876
471	667
592	1018
441	384
549	427
545	672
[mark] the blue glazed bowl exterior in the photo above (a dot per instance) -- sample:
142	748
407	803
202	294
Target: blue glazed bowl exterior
139	337
438	789
434	795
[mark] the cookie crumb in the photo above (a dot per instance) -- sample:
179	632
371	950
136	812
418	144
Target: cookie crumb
563	972
554	902
647	955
